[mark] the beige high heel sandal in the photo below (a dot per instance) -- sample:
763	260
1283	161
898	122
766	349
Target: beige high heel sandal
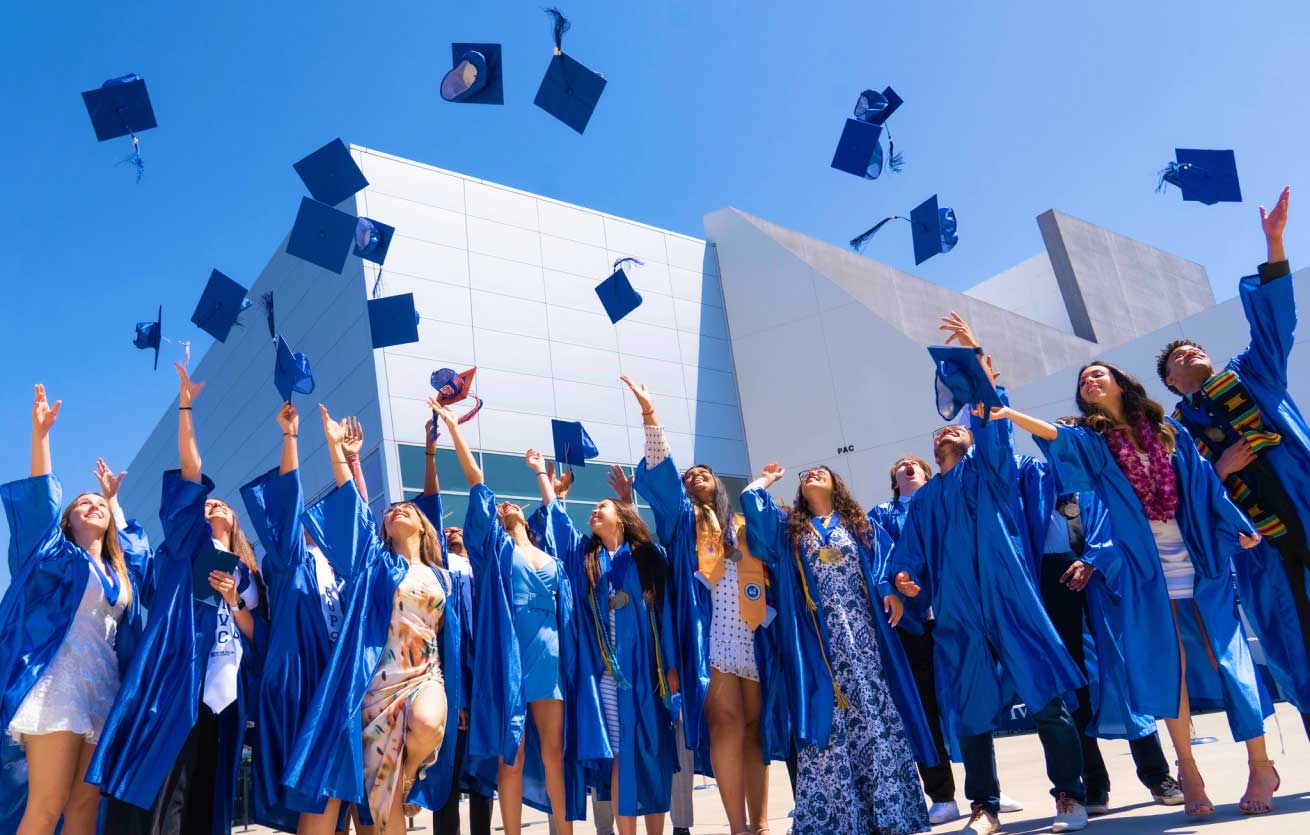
1260	807
1193	808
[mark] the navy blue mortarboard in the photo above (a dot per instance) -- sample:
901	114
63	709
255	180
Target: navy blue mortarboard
617	294
859	151
210	558
291	371
961	381
150	334
121	107
934	230
322	235
573	445
373	239
1207	177
220	304
569	91
392	320
876	107
476	77
330	173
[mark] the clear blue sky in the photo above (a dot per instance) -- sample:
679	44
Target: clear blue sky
1011	108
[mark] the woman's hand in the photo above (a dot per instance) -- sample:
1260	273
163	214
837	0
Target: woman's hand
894	608
1077	575
353	439
43	414
226	586
333	432
642	394
1249	540
672	678
621	483
771	473
187	391
444	412
288	420
958	330
109	483
535	461
463	719
560	482
906	586
431	431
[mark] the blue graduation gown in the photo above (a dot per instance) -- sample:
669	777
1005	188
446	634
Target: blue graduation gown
327	758
693	604
160	697
1262	585
993	645
499	721
647	755
48	576
1210	525
810	696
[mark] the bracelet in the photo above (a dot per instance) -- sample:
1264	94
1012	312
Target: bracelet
335	461
291	434
184	408
430	454
977	349
648	414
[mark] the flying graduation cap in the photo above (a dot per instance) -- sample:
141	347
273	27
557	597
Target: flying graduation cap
121	107
322	235
569	91
573	446
617	294
453	386
859	150
220	305
476	77
291	371
149	334
330	173
961	381
934	230
392	320
1207	177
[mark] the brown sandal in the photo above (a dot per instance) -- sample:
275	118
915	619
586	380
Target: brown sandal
1193	807
1259	806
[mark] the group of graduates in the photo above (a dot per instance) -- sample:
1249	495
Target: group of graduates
373	665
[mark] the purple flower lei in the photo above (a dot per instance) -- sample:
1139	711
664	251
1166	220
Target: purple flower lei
1156	489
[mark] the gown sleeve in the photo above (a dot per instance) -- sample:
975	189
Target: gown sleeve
880	549
661	486
275	503
430	506
1270	309
1077	457
348	535
182	513
910	554
1202	485
570	544
139	557
32	510
766	526
484	536
994	446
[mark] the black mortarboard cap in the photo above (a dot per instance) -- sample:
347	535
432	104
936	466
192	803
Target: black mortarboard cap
150	334
220	304
372	239
875	107
572	443
119	107
934	230
859	150
210	558
330	173
476	74
569	91
322	235
291	372
1207	177
617	294
392	320
961	381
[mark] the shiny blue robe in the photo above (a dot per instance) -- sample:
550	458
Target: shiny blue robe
159	700
890	516
48	576
1210	525
647	742
327	758
1261	583
499	720
994	645
811	699
693	606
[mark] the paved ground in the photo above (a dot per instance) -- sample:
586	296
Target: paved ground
1023	775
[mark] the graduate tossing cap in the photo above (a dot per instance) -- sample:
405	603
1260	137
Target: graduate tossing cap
121	107
962	381
573	446
1207	177
934	230
453	386
476	77
617	294
569	91
859	150
291	371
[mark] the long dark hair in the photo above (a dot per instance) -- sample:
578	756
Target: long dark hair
848	511
720	506
1136	403
650	563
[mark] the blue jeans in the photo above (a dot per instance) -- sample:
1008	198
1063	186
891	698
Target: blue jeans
1064	759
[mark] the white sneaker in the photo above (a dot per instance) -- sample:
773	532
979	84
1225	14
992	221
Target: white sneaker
943	812
1009	804
981	822
1070	815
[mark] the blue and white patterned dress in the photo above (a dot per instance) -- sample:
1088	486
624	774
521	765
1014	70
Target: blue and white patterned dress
865	780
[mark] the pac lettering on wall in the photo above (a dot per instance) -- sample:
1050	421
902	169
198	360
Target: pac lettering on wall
842	450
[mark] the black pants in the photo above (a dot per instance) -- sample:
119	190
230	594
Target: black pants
1067	609
1060	743
185	805
445	821
938	780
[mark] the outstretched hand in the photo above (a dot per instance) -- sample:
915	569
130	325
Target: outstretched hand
444	412
354	436
187	390
1275	221
958	330
640	392
907	586
772	472
1077	575
43	414
560	482
333	432
288	419
535	461
894	609
109	483
621	483
1249	540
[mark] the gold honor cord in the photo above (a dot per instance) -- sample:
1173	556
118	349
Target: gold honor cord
607	655
659	663
814	619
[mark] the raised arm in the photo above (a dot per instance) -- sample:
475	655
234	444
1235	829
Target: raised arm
32	504
351	444
187	449
334	433
1269	302
431	486
275	500
766	523
1038	427
545	484
288	420
43	420
642	394
1273	224
472	472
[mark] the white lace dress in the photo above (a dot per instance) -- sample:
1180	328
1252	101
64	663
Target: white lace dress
79	686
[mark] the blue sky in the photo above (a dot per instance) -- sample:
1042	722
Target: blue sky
1011	108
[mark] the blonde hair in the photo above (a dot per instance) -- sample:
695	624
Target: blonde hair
240	545
429	545
110	549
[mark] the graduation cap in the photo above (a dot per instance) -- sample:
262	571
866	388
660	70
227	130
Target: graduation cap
291	371
372	239
330	173
875	107
573	445
934	230
1207	177
322	235
121	107
616	292
859	150
569	91
961	381
210	558
149	334
476	75
453	386
220	304
392	320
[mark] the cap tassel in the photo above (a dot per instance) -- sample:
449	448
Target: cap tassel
135	159
562	25
895	161
186	349
267	301
377	284
858	242
619	262
1171	173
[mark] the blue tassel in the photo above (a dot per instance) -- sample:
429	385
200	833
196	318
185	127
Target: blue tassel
621	261
377	284
562	25
135	159
267	301
1171	173
858	242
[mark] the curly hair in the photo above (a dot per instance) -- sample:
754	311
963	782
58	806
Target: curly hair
848	511
651	570
1162	360
1135	402
896	465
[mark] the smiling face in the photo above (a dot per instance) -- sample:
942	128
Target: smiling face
1098	387
220	517
700	484
949	445
1187	368
401	521
605	518
89	518
510	515
454	540
816	482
